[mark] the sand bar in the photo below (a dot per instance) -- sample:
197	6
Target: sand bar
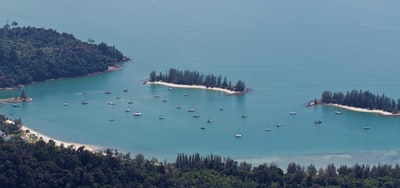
227	91
381	112
46	139
15	100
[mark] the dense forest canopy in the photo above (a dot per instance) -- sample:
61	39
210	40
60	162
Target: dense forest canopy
362	99
29	54
43	164
46	165
188	77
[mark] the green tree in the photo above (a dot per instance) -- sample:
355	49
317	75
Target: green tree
153	76
240	86
14	24
311	170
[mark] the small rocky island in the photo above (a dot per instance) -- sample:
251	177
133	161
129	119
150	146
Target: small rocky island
22	98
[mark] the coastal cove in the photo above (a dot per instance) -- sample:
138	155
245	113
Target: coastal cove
186	129
286	51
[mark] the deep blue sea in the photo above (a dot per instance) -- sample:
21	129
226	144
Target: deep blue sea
287	52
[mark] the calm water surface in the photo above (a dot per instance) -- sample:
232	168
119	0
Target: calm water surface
287	52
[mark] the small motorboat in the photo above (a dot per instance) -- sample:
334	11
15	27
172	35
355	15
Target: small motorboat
137	114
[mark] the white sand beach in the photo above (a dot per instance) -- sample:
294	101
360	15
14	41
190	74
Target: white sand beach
381	112
229	92
46	139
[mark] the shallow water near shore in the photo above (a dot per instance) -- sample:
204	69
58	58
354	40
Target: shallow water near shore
286	52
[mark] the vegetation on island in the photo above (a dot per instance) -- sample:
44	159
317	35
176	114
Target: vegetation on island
22	98
29	54
43	164
362	99
188	77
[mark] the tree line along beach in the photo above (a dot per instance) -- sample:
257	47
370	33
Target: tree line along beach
360	101
193	79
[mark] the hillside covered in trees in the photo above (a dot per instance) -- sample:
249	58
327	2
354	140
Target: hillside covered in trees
46	165
362	99
188	77
29	54
43	164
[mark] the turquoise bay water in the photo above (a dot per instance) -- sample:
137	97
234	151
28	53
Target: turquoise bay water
287	52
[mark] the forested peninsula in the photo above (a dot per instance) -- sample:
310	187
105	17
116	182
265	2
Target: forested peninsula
189	77
30	54
42	164
361	99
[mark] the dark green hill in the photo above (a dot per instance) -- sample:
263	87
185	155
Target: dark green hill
29	54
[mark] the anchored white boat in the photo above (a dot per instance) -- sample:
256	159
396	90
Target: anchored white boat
137	114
